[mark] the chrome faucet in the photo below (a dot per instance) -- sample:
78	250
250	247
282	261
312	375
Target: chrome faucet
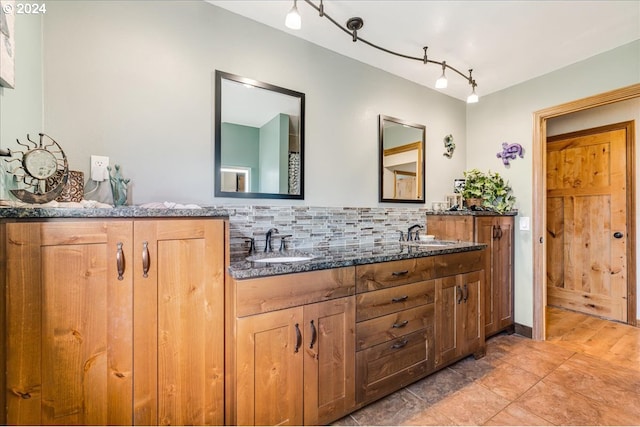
267	243
411	233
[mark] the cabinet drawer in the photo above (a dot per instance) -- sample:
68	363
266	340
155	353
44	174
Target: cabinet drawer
390	366
458	263
393	326
372	277
266	294
391	300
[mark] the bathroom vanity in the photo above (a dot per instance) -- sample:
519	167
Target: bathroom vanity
309	342
113	316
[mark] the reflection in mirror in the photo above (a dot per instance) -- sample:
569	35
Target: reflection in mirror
401	174
259	139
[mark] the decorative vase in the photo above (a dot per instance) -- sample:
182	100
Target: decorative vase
476	201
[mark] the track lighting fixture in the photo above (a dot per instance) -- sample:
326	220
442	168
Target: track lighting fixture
355	24
293	19
441	83
473	97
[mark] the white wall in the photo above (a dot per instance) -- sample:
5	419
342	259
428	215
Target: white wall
21	107
600	116
133	80
507	116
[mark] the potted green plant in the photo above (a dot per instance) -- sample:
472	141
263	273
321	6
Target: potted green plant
487	190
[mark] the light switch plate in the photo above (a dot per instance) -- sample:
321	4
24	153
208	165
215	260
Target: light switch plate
524	223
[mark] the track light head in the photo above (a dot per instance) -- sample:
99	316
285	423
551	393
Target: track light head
293	19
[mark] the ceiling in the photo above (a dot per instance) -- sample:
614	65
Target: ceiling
505	42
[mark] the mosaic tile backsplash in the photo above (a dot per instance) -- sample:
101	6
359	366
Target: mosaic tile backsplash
312	227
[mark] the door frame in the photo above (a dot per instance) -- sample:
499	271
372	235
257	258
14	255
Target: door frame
539	202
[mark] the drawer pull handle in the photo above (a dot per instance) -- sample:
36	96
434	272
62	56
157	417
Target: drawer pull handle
146	260
120	261
401	324
314	335
400	273
298	339
400	344
400	299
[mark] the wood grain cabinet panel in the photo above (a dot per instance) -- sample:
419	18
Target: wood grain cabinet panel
91	341
391	300
497	232
459	321
292	366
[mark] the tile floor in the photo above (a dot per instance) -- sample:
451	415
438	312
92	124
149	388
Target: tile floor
586	373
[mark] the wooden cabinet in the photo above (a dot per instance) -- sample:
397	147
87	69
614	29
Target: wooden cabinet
270	379
114	321
394	334
459	327
293	365
497	231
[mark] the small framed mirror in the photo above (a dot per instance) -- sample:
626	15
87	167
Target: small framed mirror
402	160
259	139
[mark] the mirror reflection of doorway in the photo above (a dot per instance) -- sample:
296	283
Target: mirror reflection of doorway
235	180
405	185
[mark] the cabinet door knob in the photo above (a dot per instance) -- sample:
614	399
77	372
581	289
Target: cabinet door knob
120	261
146	260
314	334
617	235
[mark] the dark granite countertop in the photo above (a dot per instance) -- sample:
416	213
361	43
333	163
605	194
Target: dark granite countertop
472	213
342	256
119	212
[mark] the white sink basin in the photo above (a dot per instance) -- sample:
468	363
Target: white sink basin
276	259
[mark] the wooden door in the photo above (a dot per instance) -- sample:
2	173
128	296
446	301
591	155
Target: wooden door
269	350
69	323
470	321
448	298
586	223
178	335
329	363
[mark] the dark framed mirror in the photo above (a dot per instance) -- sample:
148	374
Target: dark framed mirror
259	139
402	160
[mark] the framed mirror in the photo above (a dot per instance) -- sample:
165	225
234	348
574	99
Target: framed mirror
402	160
259	139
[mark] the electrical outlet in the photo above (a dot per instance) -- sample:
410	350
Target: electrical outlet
99	167
524	223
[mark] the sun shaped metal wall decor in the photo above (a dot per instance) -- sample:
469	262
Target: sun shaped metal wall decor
42	169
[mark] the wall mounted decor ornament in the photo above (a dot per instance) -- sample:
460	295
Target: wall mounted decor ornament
510	152
449	146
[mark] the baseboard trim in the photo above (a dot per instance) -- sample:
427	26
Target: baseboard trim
525	331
